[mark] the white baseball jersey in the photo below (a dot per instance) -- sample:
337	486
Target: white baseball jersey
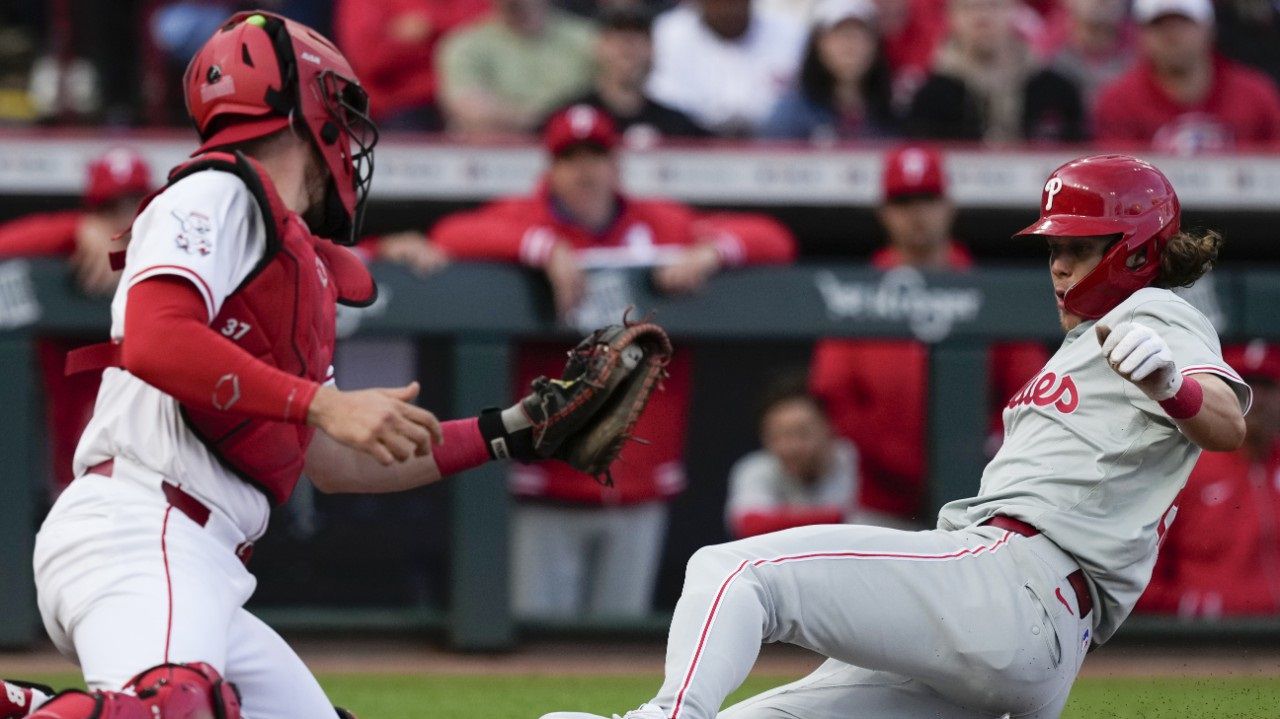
205	228
1091	461
758	482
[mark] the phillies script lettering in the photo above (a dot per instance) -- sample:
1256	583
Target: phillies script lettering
1049	389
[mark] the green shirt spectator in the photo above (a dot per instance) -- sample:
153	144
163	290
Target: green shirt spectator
508	72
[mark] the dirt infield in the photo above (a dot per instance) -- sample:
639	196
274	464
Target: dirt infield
417	656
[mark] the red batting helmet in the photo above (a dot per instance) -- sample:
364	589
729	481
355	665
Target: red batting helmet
1110	195
114	175
260	72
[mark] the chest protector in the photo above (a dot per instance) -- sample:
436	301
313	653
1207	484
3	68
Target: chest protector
283	313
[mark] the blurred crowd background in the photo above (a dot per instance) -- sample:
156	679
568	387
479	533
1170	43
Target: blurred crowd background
840	426
1183	76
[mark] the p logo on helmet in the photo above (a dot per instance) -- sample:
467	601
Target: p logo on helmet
1051	188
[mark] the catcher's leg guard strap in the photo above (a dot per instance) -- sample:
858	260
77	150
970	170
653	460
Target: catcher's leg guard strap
75	704
503	443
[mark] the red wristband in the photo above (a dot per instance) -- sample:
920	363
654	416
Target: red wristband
1186	403
463	447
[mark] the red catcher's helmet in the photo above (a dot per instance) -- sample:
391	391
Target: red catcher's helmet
1110	195
115	175
261	71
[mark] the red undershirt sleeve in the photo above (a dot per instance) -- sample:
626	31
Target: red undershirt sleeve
170	346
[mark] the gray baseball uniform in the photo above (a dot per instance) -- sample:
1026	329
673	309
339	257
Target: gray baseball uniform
967	620
1092	462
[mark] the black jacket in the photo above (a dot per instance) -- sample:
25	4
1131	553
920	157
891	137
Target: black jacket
1052	110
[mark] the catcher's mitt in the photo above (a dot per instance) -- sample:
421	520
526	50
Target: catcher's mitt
586	416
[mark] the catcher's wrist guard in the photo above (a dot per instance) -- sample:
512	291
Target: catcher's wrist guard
503	440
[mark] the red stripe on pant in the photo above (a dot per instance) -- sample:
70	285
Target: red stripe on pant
168	580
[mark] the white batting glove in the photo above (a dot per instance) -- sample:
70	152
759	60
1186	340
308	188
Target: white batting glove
1140	355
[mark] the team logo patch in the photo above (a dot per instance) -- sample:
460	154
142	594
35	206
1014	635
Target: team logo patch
1048	389
196	235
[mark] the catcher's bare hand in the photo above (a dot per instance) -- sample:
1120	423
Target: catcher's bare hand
689	273
568	279
381	422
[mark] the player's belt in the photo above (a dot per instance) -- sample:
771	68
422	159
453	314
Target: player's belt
1084	600
180	500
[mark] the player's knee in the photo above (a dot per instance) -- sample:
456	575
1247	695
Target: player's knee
186	691
75	704
710	561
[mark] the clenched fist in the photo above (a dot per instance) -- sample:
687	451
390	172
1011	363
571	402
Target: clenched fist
1137	353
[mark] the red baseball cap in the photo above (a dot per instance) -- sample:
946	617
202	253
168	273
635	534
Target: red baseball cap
116	174
1255	360
913	171
580	125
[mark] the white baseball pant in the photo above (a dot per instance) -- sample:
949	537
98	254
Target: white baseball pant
125	582
966	624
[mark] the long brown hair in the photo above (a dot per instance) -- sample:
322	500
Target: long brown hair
1187	258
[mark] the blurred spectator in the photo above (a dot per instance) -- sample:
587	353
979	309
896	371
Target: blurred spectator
986	85
579	547
174	30
912	31
876	390
1182	97
506	73
624	59
843	91
803	475
725	62
594	9
1249	32
1090	42
20	25
1221	555
801	10
115	183
391	45
409	248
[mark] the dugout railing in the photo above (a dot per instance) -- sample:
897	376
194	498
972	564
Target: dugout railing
485	309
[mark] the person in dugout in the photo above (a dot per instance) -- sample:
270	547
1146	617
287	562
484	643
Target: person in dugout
115	182
803	472
580	548
1221	554
876	390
